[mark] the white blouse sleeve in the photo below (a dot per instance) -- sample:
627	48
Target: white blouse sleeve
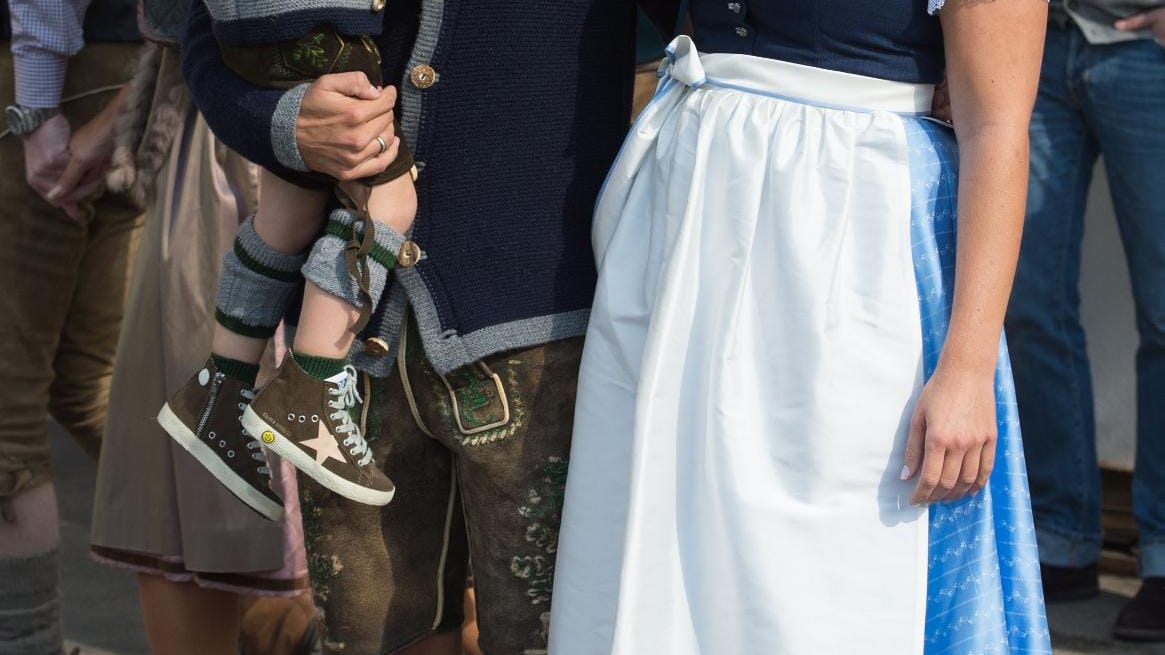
934	6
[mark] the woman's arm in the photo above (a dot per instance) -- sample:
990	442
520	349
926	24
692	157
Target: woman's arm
329	126
993	51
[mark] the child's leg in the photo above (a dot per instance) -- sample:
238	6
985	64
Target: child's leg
260	276
325	324
306	413
262	271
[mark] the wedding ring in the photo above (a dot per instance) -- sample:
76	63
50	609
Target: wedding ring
383	145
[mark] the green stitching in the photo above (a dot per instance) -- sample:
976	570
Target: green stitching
378	253
310	48
544	508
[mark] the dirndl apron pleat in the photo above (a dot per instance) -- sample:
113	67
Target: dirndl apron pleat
775	246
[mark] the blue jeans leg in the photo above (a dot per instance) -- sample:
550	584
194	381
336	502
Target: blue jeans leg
1126	105
1052	376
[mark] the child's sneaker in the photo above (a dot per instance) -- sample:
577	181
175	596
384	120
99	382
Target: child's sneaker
308	422
205	417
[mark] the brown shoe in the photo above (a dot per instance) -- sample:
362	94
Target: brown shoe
204	417
308	422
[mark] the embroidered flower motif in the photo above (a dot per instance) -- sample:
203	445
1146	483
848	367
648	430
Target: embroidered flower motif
543	508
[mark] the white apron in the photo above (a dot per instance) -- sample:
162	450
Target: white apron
749	373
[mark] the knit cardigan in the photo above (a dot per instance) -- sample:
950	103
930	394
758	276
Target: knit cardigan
530	104
255	22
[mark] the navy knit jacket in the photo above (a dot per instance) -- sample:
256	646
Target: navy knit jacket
513	141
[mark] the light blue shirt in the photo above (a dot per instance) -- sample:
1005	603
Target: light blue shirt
45	33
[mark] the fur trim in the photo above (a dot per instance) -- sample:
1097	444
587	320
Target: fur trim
155	108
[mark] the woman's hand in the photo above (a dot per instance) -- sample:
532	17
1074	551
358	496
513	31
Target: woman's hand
339	119
90	150
951	447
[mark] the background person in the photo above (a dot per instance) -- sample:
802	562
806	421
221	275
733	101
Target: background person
64	263
1102	93
214	577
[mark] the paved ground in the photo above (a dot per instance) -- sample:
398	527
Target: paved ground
100	603
101	607
1083	628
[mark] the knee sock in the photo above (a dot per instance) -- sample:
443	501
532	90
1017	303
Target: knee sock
257	285
344	257
30	608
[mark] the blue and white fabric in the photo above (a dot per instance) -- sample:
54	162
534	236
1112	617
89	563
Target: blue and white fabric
775	247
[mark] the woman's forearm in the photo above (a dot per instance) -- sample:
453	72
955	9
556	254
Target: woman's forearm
993	53
993	170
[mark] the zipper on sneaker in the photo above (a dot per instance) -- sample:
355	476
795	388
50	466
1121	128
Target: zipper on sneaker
215	387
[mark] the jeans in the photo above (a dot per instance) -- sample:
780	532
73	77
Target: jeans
1093	100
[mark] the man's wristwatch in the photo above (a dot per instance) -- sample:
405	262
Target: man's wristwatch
24	120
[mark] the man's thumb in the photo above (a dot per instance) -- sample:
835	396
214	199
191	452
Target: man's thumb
355	85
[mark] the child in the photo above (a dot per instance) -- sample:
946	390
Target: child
305	413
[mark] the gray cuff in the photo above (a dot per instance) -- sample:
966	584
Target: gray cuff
263	256
327	266
283	129
30	612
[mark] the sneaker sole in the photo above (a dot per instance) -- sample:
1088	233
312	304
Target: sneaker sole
253	498
286	449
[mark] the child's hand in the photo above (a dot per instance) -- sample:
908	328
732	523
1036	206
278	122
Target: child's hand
339	119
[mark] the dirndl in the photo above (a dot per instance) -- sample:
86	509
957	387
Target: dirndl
776	260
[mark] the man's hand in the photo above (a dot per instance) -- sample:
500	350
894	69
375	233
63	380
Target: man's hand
90	150
1150	20
46	155
339	120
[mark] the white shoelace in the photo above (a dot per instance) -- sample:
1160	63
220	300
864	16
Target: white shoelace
256	448
345	398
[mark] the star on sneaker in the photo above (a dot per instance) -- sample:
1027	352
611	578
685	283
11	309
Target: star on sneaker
308	422
325	445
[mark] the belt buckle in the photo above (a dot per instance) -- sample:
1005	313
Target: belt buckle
478	400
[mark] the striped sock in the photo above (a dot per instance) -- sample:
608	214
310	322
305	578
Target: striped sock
257	285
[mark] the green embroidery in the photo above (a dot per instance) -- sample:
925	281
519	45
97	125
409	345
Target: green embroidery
543	508
518	409
471	397
310	51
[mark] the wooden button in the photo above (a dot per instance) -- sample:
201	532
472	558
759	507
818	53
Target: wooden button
409	255
376	347
378	5
423	76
